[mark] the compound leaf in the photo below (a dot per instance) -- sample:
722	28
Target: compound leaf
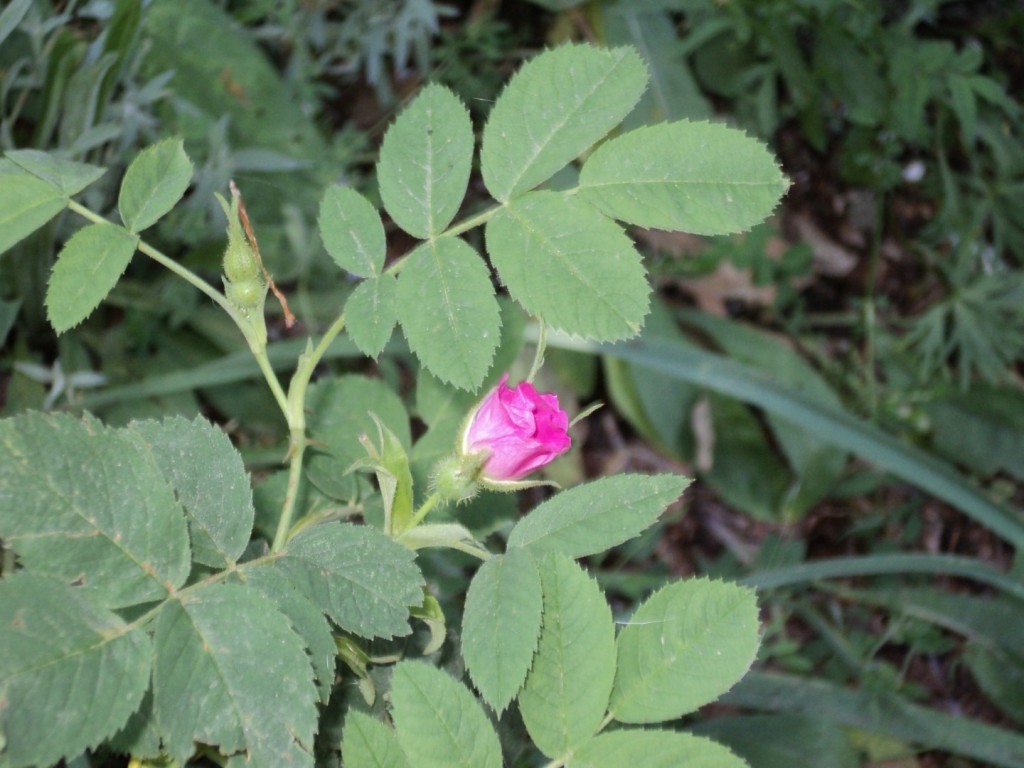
88	267
696	177
569	264
371	313
368	743
154	182
688	643
358	576
566	692
425	161
26	204
82	503
352	231
439	722
210	481
653	749
597	516
448	312
500	625
71	673
229	671
554	108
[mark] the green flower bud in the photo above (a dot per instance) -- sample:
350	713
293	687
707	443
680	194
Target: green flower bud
246	294
455	478
240	262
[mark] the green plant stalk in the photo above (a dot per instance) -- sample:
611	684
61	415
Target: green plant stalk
870	314
430	502
295	413
538	355
471	221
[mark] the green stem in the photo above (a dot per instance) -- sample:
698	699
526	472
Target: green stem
295	412
431	502
538	355
473	221
284	524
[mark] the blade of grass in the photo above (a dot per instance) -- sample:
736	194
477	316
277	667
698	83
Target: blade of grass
229	369
879	565
880	713
839	428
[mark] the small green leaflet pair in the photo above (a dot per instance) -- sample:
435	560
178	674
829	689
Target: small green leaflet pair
143	615
560	254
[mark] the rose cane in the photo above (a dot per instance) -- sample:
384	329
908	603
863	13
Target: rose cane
511	433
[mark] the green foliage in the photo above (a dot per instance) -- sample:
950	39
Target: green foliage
439	723
566	693
27	204
154	182
448	312
657	749
693	625
694	177
221	633
368	743
597	516
552	110
69	657
352	231
425	161
538	242
500	625
87	269
98	502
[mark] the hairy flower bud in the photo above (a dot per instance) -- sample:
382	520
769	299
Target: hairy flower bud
518	430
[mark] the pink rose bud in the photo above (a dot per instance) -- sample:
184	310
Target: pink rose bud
518	430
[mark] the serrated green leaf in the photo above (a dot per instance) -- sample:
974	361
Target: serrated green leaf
554	108
500	625
653	749
352	231
229	671
688	643
210	481
597	516
154	182
371	313
356	575
81	503
340	411
425	160
566	693
570	265
305	617
703	178
88	267
26	204
368	743
70	673
448	312
439	723
66	175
